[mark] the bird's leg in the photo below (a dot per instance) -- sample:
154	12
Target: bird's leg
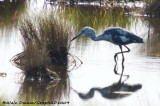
122	81
122	60
115	56
115	67
115	59
128	50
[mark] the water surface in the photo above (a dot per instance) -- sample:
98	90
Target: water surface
91	83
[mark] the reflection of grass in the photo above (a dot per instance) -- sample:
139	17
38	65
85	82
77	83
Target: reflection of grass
45	42
46	91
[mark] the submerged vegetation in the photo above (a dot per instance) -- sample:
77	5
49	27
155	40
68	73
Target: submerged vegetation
45	42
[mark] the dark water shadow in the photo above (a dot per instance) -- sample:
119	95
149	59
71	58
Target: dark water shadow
115	91
46	90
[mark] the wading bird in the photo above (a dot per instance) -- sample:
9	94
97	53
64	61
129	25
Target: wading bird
115	35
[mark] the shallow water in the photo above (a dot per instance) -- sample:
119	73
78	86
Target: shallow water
93	83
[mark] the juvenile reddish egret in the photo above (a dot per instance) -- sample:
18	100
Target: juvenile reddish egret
115	35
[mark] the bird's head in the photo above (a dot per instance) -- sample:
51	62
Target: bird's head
85	31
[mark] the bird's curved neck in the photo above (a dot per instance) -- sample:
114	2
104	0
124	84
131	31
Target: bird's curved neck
95	37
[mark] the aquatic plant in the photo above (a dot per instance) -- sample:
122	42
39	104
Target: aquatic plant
45	43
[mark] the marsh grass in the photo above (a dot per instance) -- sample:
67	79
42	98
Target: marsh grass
94	16
45	42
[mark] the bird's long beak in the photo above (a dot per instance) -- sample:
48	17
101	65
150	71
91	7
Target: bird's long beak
76	36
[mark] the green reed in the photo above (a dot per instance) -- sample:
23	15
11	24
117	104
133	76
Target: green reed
95	16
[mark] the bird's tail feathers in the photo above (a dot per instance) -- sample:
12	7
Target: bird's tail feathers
139	40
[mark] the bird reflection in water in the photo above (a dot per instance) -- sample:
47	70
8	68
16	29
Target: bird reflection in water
115	91
46	90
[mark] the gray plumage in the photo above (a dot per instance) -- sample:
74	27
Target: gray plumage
115	35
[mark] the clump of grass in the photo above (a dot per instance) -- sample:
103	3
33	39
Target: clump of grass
45	42
154	9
